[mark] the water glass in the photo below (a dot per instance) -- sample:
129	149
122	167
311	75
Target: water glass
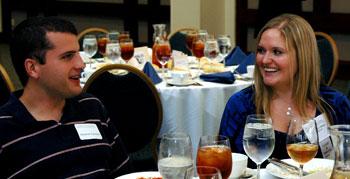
113	51
90	46
224	43
211	48
258	138
113	35
175	156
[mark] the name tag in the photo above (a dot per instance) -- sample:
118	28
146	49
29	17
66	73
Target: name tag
88	131
323	134
322	126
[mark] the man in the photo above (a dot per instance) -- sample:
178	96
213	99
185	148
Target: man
49	129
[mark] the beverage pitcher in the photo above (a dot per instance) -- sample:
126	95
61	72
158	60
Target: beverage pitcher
341	141
158	34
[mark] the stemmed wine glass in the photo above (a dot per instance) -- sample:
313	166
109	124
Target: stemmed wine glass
302	141
163	53
258	138
175	156
127	49
190	36
198	46
224	43
215	151
113	50
124	35
101	43
208	172
90	46
211	48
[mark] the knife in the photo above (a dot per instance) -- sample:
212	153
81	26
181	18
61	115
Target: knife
286	166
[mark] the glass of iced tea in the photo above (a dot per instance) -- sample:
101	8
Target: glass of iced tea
198	45
101	43
126	49
124	35
215	151
190	36
163	53
207	172
302	141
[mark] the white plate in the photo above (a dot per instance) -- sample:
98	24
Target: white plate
139	174
189	82
315	165
248	171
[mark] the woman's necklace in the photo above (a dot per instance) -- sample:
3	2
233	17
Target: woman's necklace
289	111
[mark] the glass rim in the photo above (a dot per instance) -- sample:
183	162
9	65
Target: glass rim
219	137
175	135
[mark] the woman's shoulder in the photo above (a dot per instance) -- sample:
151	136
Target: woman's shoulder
245	93
332	95
243	98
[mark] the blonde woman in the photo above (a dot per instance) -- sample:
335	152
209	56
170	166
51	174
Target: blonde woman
287	81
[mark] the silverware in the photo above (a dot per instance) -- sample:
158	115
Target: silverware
286	166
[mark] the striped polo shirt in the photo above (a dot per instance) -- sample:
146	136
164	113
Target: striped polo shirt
84	144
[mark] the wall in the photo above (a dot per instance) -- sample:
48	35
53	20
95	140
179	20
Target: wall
217	17
342	40
185	13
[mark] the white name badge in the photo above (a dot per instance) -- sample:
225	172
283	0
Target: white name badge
323	134
322	127
88	131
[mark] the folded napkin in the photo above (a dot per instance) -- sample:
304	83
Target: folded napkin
151	73
235	57
249	60
222	77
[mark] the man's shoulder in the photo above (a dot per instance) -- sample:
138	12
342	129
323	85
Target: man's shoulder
86	104
86	99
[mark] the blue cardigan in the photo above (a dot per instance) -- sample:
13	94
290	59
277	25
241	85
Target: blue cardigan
242	104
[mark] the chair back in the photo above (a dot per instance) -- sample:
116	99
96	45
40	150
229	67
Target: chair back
329	56
177	40
6	86
91	30
133	105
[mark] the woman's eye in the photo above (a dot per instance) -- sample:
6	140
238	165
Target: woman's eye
277	52
260	50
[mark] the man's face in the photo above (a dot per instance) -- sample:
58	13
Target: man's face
60	74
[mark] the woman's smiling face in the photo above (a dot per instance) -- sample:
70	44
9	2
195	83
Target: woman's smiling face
276	63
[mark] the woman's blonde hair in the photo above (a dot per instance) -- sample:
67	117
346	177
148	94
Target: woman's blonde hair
300	39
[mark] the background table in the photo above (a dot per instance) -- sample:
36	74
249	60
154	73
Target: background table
195	110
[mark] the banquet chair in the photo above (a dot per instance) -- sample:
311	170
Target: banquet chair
329	57
177	40
134	106
6	86
91	30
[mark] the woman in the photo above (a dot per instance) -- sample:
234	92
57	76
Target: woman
287	81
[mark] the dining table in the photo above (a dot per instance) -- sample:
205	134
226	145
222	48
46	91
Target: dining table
196	109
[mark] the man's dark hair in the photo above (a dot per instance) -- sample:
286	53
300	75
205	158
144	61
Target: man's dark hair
29	40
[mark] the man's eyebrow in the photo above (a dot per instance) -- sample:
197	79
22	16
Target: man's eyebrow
68	52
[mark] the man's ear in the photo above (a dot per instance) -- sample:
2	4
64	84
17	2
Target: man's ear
32	68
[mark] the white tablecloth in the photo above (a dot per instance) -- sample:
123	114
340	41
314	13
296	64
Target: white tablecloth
196	110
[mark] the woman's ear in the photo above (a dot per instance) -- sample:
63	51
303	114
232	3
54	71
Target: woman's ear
32	68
